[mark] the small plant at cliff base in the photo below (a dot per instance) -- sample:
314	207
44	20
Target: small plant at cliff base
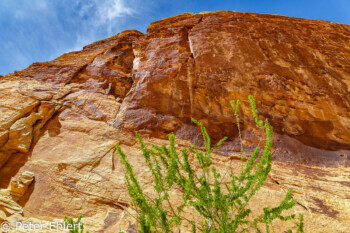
222	204
74	226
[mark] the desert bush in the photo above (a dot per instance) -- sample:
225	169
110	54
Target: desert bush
74	226
220	199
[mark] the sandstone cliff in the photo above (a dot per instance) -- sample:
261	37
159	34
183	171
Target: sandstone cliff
60	120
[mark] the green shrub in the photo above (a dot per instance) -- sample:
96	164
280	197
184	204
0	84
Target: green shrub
74	226
221	204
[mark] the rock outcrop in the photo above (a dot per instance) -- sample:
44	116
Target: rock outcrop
60	120
9	197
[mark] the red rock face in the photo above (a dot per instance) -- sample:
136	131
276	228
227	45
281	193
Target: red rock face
105	64
192	65
62	119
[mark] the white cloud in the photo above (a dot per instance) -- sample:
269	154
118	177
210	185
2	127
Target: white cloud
100	16
40	30
103	11
112	9
108	11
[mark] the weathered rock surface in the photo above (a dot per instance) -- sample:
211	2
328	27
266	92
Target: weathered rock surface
61	120
192	65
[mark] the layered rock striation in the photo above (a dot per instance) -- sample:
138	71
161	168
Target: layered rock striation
60	120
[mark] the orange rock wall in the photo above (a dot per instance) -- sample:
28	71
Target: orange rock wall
60	120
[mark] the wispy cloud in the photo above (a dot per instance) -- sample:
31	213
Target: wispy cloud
112	9
103	11
40	30
100	17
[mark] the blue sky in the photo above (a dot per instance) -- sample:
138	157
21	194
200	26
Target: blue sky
41	30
